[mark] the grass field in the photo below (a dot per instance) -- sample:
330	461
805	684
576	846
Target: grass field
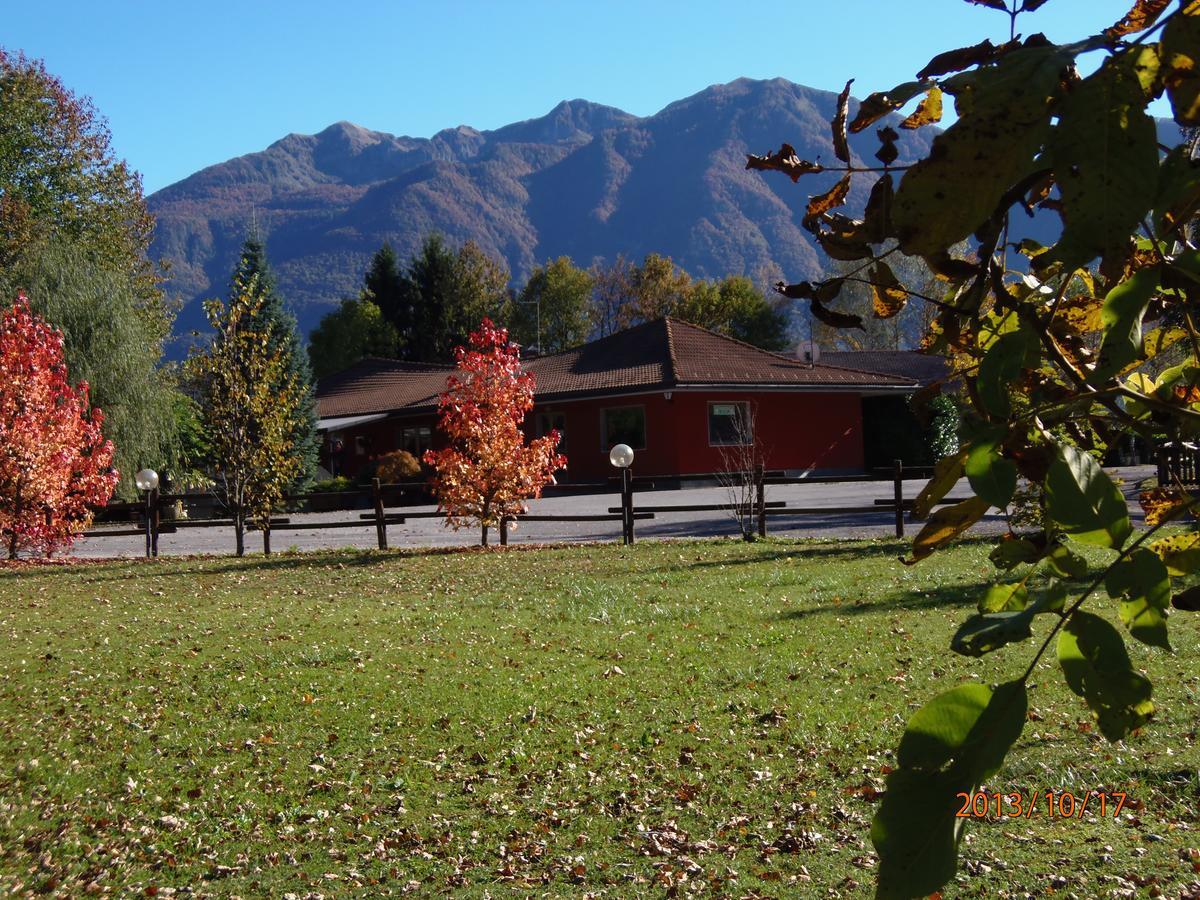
708	717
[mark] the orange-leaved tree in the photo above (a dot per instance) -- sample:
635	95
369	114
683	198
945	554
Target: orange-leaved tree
487	471
54	461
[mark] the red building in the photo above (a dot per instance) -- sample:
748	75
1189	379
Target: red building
680	395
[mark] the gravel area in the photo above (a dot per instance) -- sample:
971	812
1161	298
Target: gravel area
433	533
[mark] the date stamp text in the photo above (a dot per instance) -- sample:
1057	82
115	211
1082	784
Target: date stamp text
1053	804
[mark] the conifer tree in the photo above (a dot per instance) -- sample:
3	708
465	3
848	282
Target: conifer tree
253	275
385	285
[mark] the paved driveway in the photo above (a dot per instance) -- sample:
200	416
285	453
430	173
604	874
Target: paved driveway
432	532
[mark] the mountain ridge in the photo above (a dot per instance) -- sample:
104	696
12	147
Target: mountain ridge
585	180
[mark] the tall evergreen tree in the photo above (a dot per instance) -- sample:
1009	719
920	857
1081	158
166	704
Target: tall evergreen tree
253	276
385	285
450	293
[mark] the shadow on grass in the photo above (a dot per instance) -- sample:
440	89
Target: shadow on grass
803	551
99	570
830	550
951	595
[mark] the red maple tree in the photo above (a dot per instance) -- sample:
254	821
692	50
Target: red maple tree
54	461
488	471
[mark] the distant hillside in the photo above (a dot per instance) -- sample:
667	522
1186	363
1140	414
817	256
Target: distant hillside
584	180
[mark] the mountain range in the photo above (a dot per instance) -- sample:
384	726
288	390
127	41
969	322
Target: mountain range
585	180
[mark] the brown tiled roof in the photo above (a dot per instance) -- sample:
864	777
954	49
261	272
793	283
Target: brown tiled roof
637	358
663	354
905	363
704	357
381	385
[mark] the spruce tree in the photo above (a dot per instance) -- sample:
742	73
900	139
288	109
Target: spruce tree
450	292
253	275
385	285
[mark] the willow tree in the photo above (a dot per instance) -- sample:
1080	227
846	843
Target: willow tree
1056	357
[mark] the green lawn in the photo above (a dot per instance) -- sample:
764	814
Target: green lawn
710	716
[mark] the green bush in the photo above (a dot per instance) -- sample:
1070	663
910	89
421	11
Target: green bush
341	483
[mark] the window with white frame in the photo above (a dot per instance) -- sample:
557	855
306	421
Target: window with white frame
730	425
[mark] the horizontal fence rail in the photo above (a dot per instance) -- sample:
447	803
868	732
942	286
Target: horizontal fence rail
159	513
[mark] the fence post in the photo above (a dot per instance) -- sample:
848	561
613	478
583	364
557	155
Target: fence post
504	531
898	494
149	522
760	497
626	506
380	527
155	524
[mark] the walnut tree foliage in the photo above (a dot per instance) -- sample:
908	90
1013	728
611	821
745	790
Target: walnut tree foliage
1056	356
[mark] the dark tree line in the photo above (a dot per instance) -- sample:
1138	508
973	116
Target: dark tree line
420	310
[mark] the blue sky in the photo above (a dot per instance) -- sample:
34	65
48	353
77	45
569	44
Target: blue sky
186	85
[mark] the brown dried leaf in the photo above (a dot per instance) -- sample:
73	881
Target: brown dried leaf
887	294
879	104
887	151
835	319
1143	14
831	199
828	290
1032	5
957	60
801	291
1081	314
928	111
877	217
919	402
785	161
1161	504
841	146
1038	193
991	4
951	268
840	247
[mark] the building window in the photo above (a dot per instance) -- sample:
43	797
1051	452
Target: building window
730	425
545	422
416	439
625	425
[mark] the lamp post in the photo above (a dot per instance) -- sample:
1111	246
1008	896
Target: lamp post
147	480
621	456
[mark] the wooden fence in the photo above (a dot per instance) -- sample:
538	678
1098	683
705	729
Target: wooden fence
385	509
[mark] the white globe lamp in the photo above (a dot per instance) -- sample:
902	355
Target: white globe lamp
621	456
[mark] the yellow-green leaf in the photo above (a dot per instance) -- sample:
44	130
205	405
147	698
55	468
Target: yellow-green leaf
1181	62
928	111
887	294
946	524
1141	584
946	473
1180	553
1083	500
1097	668
946	196
1104	151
